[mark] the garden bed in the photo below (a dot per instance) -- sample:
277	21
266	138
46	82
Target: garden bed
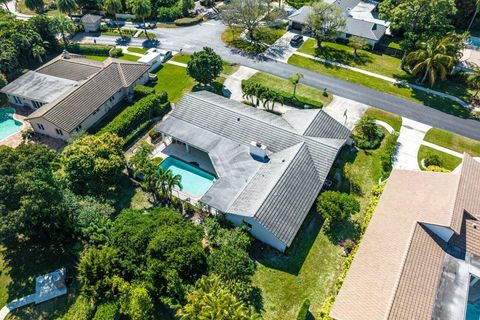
394	120
448	161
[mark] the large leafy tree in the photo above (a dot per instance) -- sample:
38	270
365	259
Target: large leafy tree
325	22
210	300
205	66
247	14
41	25
142	9
136	302
67	6
30	198
63	25
35	5
112	7
432	60
337	206
93	164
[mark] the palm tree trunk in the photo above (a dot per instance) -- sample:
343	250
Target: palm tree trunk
65	42
294	90
118	26
145	28
6	6
425	75
474	16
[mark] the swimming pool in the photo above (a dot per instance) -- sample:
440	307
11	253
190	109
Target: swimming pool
474	42
473	304
195	181
8	125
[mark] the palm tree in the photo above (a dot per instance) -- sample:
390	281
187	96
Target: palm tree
5	3
35	5
434	58
172	181
67	6
63	25
474	81
142	9
477	8
295	80
38	51
112	7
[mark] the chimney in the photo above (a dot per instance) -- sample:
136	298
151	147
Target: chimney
66	54
258	150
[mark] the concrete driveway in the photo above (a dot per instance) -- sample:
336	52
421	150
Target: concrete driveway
281	50
408	144
346	111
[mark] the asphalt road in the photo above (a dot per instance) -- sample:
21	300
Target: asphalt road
194	38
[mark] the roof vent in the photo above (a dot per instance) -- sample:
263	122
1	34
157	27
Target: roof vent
474	226
66	54
258	150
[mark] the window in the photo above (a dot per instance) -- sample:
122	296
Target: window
95	112
78	128
59	132
248	225
40	126
17	100
37	104
111	98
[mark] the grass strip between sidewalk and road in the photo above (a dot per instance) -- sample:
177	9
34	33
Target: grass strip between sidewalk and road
392	119
431	100
453	141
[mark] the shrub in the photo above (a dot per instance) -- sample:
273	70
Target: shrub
337	206
168	14
154	135
140	91
137	114
437	169
116	52
184	22
387	153
475	114
141	129
103	28
156	161
107	311
303	312
368	135
89	49
432	160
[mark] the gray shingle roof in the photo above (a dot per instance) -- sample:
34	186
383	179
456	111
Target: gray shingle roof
277	193
90	18
38	87
74	107
74	69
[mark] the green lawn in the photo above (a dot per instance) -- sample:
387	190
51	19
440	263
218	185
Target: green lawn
378	63
392	119
312	264
304	93
228	68
231	37
269	35
448	161
129	57
150	35
115	32
96	58
137	50
434	101
453	141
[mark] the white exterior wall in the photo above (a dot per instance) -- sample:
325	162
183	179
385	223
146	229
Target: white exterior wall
258	231
24	101
49	129
443	232
91	27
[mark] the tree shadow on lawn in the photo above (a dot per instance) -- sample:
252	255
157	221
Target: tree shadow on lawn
121	197
343	56
338	231
215	87
27	259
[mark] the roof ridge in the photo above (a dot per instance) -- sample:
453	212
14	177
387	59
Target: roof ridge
122	76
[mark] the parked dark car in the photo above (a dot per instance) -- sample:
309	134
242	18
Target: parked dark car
296	40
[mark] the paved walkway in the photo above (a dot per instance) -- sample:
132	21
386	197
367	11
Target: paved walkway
180	64
385	78
408	144
233	84
346	111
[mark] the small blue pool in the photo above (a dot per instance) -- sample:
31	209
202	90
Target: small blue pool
8	125
474	42
195	181
473	303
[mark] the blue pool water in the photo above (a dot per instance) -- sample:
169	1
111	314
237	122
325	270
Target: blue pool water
474	42
8	125
473	312
195	181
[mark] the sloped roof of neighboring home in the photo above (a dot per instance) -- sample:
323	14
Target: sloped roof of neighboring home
364	29
90	18
74	68
70	110
38	87
397	268
301	15
277	192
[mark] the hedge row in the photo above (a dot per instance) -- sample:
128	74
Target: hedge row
116	52
329	301
136	114
185	22
140	130
386	155
140	91
89	49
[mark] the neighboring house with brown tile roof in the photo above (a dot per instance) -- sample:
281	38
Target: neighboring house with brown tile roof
419	251
85	91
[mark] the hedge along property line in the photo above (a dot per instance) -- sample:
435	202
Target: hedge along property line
128	123
329	301
185	22
89	49
288	98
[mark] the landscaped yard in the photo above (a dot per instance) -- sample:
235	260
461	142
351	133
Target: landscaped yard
448	161
392	119
231	37
125	56
137	50
228	68
305	94
311	266
434	101
453	141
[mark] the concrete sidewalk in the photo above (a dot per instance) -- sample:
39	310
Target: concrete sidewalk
408	144
233	84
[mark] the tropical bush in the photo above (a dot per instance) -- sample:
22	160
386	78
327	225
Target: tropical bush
154	134
303	312
140	91
141	129
386	155
138	113
368	135
89	49
116	52
336	206
184	22
432	160
168	14
437	169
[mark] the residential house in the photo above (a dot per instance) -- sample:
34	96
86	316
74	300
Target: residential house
269	169
91	22
360	19
420	255
71	93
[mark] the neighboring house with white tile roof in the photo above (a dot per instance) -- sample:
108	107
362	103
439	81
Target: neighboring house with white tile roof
71	93
360	19
91	22
269	169
420	254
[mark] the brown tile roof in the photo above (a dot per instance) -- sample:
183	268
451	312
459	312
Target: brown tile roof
417	287
76	105
395	271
